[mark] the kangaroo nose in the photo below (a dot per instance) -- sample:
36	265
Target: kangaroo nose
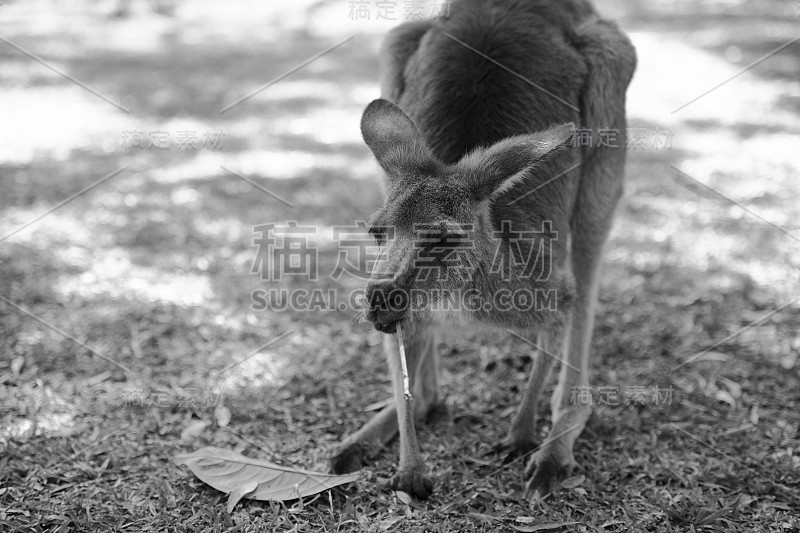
388	303
386	295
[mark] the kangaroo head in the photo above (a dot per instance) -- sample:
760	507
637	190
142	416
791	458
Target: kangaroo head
435	227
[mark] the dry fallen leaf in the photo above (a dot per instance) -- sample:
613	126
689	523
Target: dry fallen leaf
243	477
611	523
403	497
222	415
574	481
714	357
543	527
16	365
194	428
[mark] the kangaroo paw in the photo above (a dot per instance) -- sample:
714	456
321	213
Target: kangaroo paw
546	470
413	482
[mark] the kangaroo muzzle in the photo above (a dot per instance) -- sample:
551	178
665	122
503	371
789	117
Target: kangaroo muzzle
388	304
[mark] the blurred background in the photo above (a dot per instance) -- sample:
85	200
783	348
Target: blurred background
130	187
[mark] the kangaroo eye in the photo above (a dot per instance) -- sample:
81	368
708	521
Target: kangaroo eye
378	233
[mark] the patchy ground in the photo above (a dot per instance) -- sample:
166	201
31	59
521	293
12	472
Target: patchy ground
152	269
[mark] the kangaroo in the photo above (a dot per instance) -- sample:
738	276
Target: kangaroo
473	133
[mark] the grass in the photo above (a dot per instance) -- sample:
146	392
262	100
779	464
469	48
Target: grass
152	270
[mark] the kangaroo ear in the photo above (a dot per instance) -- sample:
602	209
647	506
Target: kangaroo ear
394	139
494	170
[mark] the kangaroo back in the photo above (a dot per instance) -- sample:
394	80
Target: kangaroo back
493	70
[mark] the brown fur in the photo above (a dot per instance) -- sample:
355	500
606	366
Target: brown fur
461	141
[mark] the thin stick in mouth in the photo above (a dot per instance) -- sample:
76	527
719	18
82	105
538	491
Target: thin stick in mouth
403	364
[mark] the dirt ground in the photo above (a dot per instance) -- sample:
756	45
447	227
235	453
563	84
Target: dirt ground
129	332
